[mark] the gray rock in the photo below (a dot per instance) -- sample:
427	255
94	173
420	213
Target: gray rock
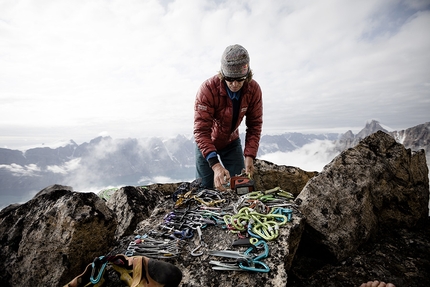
288	178
53	188
131	206
49	239
377	182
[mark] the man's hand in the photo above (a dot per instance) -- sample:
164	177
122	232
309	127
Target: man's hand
221	176
249	166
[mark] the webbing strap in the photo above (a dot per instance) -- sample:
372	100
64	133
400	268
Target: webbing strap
125	274
137	271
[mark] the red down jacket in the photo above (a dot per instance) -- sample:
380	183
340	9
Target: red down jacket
213	115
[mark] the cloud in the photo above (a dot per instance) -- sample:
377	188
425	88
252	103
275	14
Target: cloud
19	170
311	157
72	70
66	168
162	180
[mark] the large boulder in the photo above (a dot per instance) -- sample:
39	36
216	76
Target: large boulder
376	182
131	206
288	178
49	239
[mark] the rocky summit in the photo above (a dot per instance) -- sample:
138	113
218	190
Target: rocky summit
364	217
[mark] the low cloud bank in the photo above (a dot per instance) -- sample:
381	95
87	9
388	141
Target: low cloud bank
19	170
310	157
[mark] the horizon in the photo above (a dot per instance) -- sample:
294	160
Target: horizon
61	142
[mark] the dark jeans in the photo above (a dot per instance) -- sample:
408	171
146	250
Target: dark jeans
231	157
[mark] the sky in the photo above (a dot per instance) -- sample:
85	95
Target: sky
74	69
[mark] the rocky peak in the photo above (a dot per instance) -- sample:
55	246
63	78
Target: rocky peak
347	139
369	129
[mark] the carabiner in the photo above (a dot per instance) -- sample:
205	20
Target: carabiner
195	253
254	268
256	245
129	253
101	271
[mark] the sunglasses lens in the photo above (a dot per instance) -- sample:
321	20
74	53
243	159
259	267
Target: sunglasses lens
235	79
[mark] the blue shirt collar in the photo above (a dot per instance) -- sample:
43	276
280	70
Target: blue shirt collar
233	95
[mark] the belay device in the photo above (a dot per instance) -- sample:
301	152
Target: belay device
242	184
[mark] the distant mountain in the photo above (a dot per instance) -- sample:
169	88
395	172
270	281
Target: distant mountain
348	139
98	164
415	138
106	162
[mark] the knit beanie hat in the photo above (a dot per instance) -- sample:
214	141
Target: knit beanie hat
235	62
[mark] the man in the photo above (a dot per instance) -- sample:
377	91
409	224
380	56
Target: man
220	106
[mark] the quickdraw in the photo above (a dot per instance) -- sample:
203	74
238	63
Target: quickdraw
201	244
244	261
150	247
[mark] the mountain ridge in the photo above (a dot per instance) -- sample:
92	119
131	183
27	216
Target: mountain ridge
107	162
